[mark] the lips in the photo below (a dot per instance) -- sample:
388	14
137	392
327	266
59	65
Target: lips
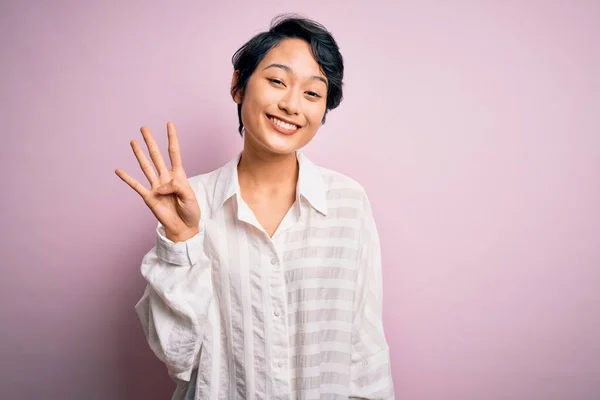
283	126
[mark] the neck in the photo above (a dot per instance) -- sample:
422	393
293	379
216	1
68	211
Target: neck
269	174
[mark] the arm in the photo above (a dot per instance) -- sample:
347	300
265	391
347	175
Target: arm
370	369
175	305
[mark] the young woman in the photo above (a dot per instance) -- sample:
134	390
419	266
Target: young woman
265	282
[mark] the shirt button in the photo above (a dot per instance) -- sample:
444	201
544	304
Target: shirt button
280	364
273	261
276	312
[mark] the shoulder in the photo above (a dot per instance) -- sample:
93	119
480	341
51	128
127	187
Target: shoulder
347	199
341	184
206	184
340	187
204	180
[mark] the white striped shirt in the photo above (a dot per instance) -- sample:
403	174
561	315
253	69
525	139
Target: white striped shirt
235	314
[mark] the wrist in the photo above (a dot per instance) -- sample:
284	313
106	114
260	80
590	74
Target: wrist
183	236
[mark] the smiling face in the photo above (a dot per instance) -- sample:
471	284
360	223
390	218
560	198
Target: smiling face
284	101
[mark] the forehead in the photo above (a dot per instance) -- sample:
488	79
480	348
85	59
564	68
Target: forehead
296	54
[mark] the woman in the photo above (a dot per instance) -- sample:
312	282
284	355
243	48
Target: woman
265	281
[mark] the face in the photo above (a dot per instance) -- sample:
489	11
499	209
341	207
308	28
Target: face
285	100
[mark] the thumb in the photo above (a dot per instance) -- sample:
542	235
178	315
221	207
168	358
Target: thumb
169	187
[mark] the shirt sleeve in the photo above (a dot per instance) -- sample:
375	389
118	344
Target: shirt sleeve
177	300
370	370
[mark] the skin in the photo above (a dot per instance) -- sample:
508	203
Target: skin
170	196
287	84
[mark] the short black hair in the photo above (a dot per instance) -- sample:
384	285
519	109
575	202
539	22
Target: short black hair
324	49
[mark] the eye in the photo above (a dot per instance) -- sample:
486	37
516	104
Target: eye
313	94
275	81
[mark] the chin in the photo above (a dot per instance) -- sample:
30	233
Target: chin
280	148
277	143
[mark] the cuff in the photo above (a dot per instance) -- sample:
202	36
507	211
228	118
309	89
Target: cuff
185	253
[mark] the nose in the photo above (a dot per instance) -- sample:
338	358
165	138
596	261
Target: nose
290	102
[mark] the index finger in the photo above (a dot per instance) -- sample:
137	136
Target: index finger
174	151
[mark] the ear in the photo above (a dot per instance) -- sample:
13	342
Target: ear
237	97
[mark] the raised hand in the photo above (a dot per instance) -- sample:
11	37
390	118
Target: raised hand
170	197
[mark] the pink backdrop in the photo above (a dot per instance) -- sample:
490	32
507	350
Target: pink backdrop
485	116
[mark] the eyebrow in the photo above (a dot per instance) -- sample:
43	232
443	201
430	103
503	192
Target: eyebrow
288	69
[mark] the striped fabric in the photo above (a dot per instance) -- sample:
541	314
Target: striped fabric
235	314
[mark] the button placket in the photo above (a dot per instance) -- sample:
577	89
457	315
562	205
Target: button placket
280	338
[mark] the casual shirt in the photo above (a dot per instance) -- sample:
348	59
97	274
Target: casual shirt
236	314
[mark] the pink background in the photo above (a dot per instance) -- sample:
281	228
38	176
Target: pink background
483	115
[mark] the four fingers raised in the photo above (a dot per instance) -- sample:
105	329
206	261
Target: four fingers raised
155	155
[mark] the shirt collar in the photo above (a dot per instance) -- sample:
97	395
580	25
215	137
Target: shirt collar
310	184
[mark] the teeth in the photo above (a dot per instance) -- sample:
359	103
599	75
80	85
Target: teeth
284	125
